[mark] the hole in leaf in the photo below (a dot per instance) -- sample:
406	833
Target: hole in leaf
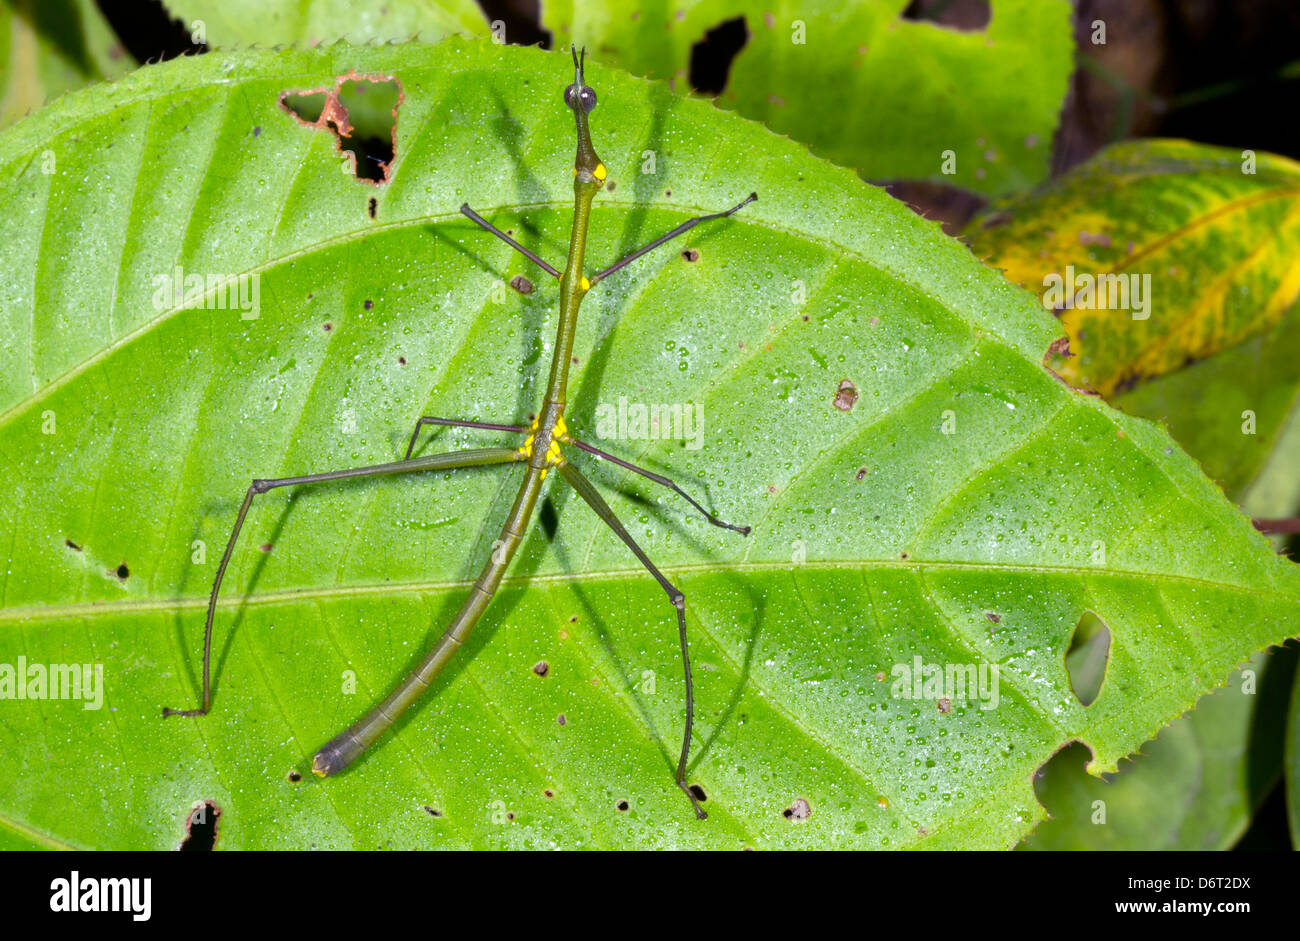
361	113
712	56
308	106
123	572
1087	657
147	30
965	15
201	828
372	206
294	777
622	806
699	793
519	22
72	545
691	254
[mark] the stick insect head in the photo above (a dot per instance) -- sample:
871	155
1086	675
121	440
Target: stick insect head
581	98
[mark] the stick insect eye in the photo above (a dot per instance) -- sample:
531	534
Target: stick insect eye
587	96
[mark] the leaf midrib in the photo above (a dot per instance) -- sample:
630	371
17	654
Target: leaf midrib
89	608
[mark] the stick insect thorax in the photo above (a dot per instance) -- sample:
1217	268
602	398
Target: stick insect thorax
588	180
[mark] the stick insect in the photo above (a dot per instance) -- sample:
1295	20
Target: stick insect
540	453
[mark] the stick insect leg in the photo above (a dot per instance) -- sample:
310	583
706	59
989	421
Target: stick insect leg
479	220
597	503
663	481
456	423
479	457
669	236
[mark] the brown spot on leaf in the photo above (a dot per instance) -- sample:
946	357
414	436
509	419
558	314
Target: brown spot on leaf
691	254
994	618
799	810
945	705
846	396
522	284
1060	347
541	668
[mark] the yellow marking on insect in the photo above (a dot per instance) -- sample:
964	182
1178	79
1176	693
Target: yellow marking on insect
586	285
600	172
554	457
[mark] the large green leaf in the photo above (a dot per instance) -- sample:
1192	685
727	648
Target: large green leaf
1196	786
231	23
878	537
48	47
860	84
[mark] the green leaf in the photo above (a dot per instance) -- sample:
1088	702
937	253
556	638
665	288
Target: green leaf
229	24
860	84
49	47
131	425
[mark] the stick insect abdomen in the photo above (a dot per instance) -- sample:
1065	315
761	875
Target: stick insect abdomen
344	748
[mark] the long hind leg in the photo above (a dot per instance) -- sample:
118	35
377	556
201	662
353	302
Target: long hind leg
479	457
597	503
